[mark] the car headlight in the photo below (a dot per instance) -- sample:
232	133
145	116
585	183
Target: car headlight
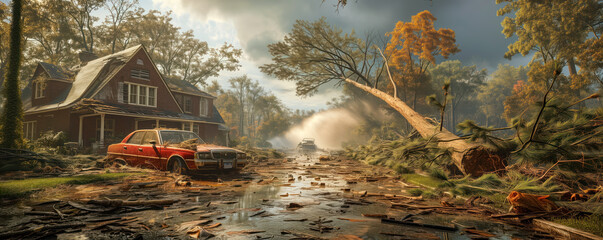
203	155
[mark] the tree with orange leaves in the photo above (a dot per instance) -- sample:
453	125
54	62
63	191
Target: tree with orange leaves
413	47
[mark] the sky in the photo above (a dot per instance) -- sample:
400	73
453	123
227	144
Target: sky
253	24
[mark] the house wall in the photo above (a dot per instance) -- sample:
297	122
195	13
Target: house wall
52	89
111	91
54	120
195	106
209	133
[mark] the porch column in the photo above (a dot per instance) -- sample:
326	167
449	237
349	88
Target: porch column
135	124
101	143
80	138
191	127
156	123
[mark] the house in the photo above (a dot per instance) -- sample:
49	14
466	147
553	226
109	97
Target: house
104	99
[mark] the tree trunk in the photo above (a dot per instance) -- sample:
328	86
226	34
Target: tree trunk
11	120
471	158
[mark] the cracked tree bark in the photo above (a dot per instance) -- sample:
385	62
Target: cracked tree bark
471	158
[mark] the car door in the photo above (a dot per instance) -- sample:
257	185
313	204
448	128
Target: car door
149	155
130	148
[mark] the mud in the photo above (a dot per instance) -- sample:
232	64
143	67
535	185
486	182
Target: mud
296	197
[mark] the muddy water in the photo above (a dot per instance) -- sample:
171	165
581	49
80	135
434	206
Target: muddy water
258	200
329	202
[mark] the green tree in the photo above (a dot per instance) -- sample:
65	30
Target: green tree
493	94
80	12
556	30
11	119
464	85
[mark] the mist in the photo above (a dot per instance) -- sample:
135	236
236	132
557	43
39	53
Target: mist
330	128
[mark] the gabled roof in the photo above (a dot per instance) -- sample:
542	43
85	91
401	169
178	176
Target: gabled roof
185	87
92	75
56	72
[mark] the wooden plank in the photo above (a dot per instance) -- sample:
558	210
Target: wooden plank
564	231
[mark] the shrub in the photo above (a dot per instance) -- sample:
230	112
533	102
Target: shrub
51	139
415	192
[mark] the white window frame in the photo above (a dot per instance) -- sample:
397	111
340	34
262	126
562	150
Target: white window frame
134	99
39	89
139	62
29	129
203	112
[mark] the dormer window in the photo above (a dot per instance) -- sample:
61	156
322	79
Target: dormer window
139	62
203	107
40	89
139	74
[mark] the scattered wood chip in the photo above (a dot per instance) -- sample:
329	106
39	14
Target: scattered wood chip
478	232
245	232
371	215
215	225
352	220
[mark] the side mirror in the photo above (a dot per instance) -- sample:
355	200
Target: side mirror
153	142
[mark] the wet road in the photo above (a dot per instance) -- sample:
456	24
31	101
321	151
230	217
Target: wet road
298	197
332	191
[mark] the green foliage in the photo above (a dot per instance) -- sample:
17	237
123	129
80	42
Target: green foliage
20	188
413	153
51	139
438	174
590	223
422	180
415	192
11	119
492	95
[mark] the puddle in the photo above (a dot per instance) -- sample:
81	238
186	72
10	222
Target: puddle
326	202
245	203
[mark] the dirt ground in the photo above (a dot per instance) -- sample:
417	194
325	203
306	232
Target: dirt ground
299	197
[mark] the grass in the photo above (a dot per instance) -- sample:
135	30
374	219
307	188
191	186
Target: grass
21	188
415	192
591	224
426	181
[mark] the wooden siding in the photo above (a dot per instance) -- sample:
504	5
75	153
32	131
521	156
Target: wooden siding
111	91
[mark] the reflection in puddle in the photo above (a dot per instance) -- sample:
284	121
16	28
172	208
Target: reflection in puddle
329	202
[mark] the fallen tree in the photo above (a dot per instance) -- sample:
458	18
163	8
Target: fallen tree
470	158
315	53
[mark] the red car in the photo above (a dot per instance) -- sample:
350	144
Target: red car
174	150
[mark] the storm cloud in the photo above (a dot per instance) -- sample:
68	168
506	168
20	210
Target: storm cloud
258	23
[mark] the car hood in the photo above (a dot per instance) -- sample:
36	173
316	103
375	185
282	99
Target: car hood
209	147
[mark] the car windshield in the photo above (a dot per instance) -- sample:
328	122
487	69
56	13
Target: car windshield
178	137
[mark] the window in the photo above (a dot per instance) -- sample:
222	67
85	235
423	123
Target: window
136	138
142	97
140	74
186	126
150	136
109	128
39	89
203	107
196	128
137	94
29	129
152	94
139	62
188	104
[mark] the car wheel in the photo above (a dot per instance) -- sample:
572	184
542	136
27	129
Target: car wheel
178	167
